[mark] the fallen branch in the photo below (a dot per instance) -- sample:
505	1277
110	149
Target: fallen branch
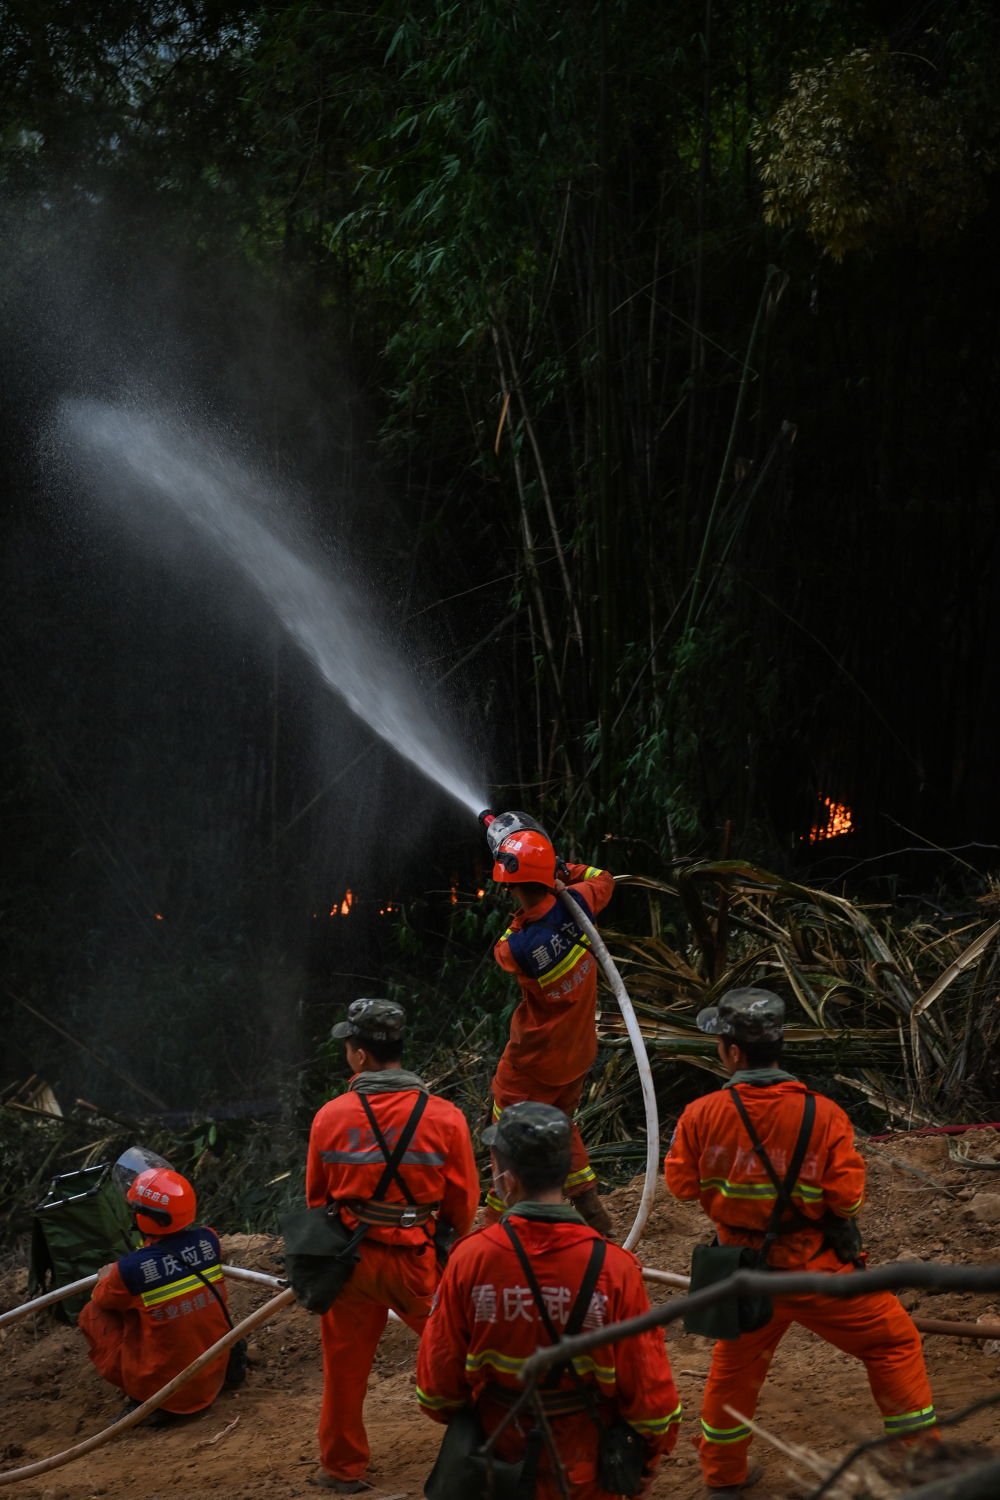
797	1451
905	1167
957	1330
838	1284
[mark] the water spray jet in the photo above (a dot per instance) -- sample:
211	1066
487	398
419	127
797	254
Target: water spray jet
135	460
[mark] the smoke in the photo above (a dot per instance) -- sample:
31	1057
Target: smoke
145	462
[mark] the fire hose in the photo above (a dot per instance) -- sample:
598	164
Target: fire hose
287	1295
641	1061
56	1460
499	828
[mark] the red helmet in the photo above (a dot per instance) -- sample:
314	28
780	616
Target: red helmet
163	1200
526	856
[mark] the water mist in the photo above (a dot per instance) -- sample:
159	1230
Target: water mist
141	460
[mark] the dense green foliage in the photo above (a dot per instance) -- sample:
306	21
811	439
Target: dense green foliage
656	348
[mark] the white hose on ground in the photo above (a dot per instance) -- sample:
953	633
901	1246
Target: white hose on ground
235	1273
56	1460
238	1274
641	1061
46	1300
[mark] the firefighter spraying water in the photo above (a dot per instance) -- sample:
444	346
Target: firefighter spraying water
551	947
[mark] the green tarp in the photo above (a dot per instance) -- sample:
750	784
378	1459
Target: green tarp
80	1224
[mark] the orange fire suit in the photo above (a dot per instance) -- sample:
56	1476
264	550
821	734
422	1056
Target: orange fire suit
398	1267
553	1039
711	1158
152	1315
485	1325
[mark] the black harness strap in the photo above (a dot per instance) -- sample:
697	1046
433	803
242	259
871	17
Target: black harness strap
783	1189
393	1158
574	1323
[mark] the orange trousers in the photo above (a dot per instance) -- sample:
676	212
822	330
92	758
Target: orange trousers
105	1330
875	1329
511	1086
386	1276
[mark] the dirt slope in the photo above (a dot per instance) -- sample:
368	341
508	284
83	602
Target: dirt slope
50	1396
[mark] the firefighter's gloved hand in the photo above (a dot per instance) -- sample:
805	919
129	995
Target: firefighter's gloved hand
558	885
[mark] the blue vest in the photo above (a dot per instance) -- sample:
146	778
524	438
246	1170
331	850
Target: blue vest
162	1273
550	946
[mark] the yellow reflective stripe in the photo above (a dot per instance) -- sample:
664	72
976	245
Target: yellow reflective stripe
562	968
762	1192
437	1403
505	1362
496	1110
604	1373
585	1174
848	1213
910	1421
655	1425
505	935
497	1204
509	1364
592	870
181	1288
724	1434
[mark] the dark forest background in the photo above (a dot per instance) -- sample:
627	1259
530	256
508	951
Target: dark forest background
640	362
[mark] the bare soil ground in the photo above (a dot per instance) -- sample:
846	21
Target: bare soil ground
260	1441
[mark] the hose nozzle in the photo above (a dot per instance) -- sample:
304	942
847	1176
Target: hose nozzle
486	817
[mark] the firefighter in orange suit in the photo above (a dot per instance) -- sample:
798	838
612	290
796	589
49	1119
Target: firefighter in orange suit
157	1309
486	1321
432	1198
712	1157
553	1038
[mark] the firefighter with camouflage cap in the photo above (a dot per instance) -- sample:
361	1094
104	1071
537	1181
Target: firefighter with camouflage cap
537	1275
400	1161
732	1149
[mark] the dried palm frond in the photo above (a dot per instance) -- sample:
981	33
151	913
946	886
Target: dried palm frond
888	1009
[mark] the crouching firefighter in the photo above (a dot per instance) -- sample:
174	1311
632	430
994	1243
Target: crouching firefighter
399	1165
157	1309
553	1037
539	1274
775	1168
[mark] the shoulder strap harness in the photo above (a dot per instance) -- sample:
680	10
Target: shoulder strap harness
783	1189
375	1210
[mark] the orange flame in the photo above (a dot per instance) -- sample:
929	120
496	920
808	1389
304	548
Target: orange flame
838	821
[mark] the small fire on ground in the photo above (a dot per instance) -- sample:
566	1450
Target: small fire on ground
838	821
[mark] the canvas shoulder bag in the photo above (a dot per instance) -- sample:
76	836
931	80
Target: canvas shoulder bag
714	1263
320	1251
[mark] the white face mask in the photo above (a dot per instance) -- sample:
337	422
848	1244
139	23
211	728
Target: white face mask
498	1188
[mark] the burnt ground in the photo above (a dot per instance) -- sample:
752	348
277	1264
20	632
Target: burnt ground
50	1396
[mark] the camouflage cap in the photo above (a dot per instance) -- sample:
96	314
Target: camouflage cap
379	1020
532	1135
748	1015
